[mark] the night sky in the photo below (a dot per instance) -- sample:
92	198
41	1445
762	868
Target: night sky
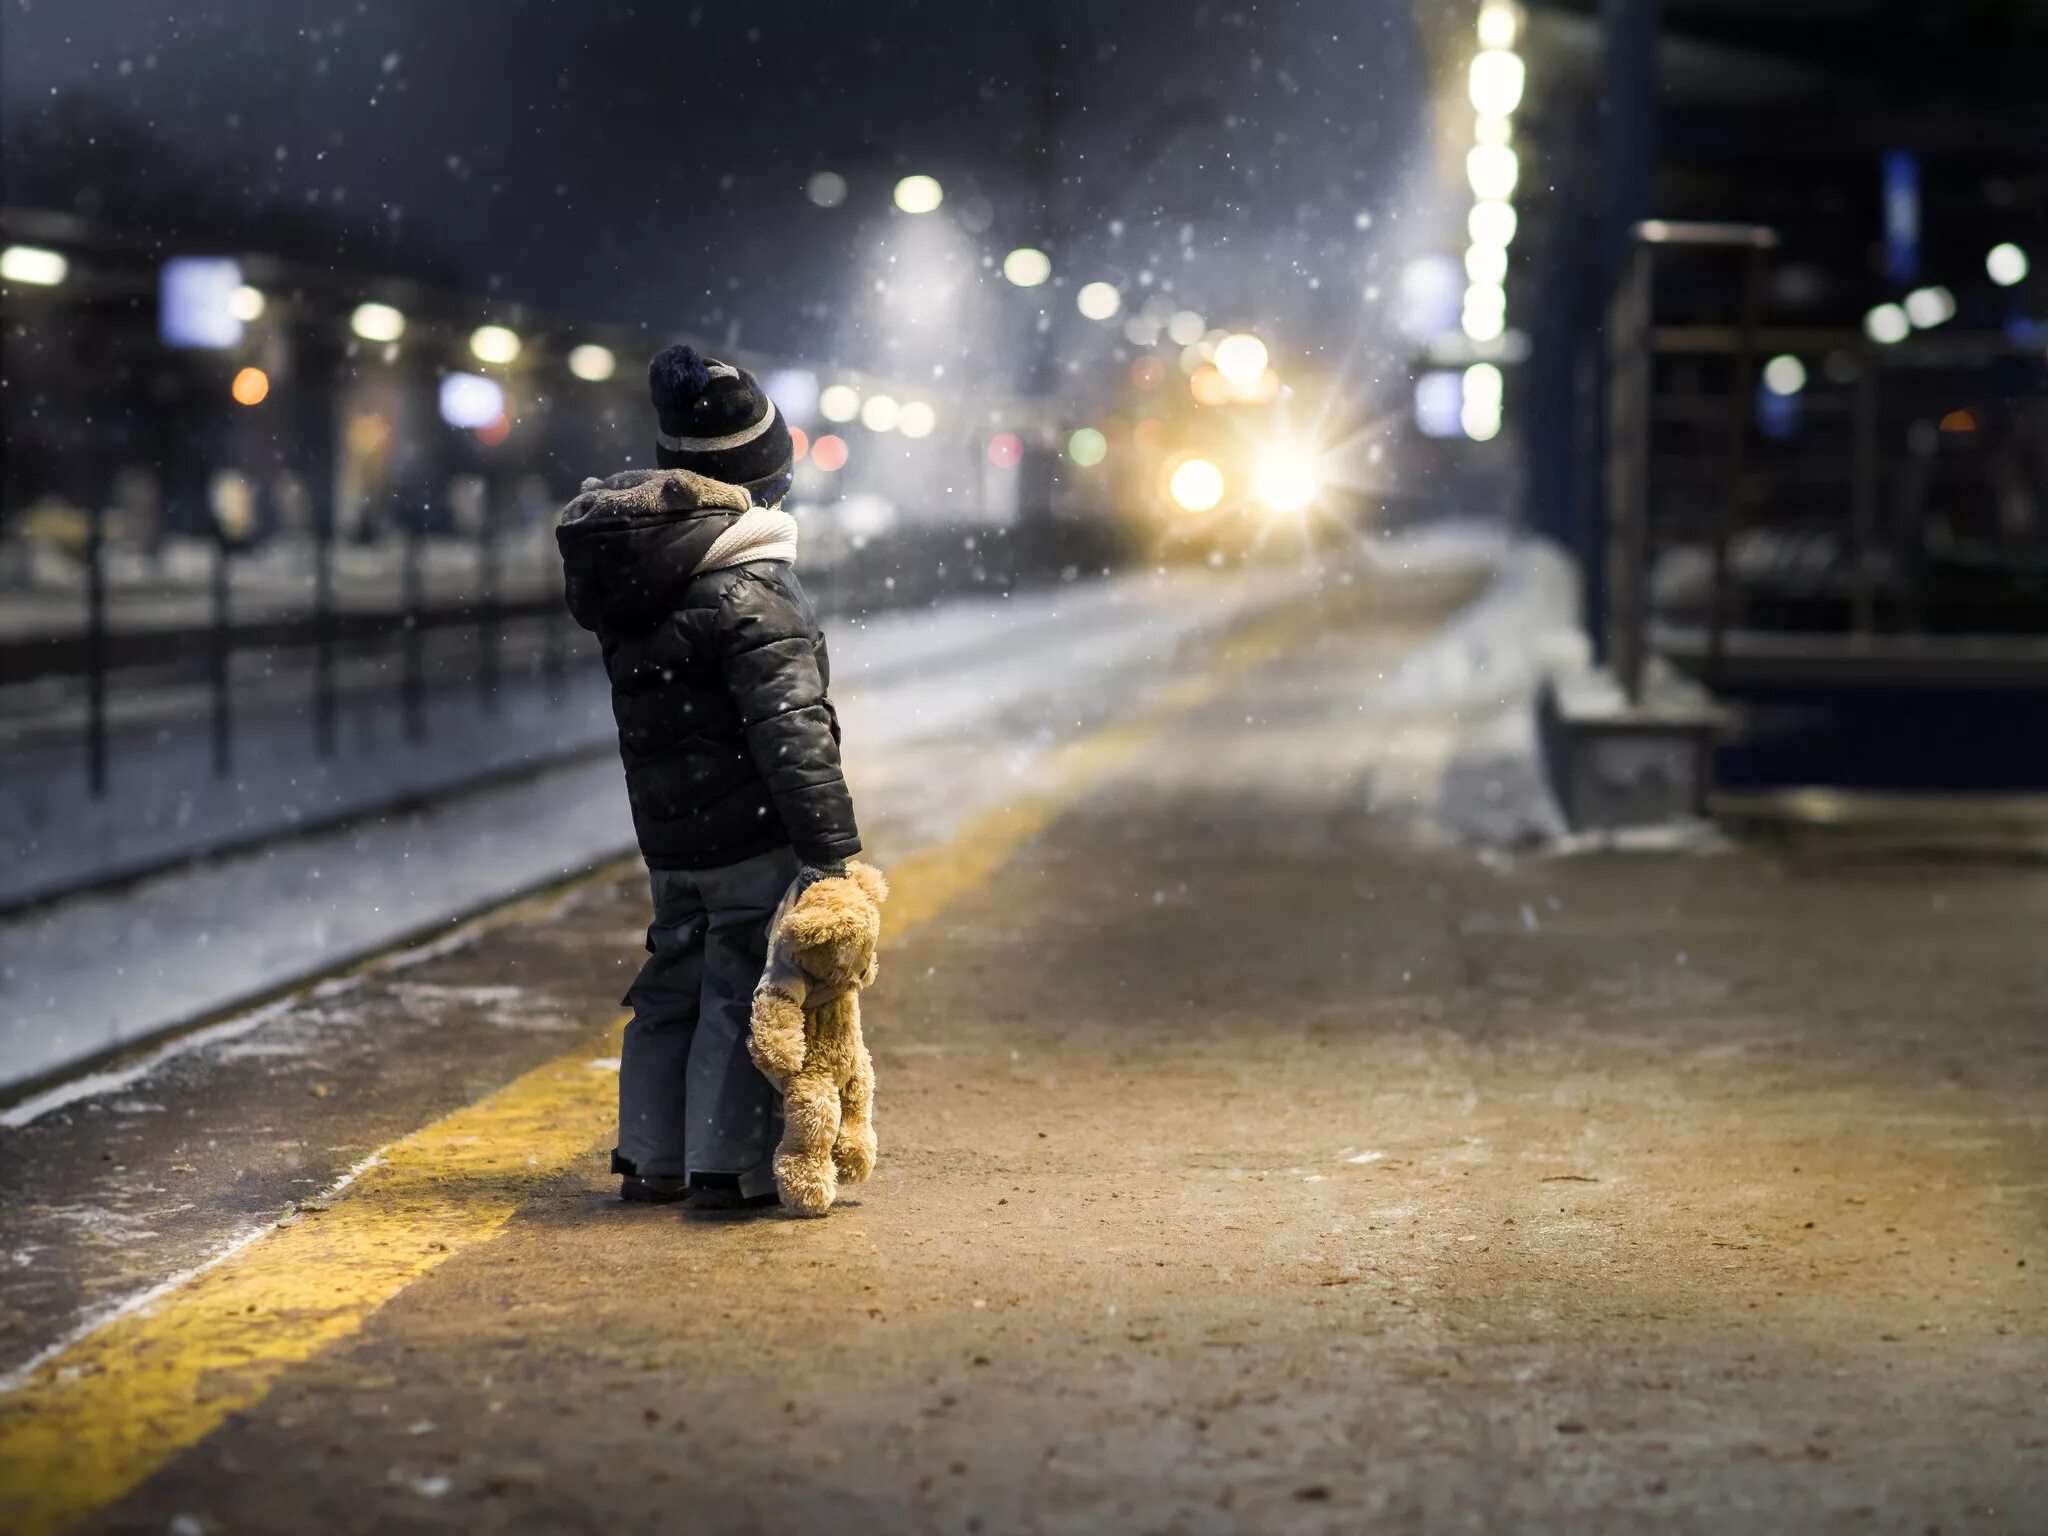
646	163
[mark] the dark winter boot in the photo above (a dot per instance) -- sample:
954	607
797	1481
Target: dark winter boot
648	1189
721	1192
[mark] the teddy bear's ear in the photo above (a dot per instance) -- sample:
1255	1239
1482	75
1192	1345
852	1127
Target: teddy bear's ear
869	879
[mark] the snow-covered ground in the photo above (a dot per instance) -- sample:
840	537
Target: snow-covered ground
99	971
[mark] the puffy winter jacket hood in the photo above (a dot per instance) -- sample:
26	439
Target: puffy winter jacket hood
630	544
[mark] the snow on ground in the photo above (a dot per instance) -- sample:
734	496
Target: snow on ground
89	974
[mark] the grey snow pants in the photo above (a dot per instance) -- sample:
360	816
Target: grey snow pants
690	1099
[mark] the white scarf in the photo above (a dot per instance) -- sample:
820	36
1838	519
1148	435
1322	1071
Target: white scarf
760	533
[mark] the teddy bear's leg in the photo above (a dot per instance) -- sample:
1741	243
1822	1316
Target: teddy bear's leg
854	1151
804	1174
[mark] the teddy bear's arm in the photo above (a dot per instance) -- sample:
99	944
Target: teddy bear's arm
776	1041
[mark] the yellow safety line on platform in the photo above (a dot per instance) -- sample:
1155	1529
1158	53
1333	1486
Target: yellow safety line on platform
93	1422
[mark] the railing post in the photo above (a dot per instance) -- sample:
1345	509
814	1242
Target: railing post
323	626
1628	469
1741	407
1863	515
220	649
96	650
487	606
412	670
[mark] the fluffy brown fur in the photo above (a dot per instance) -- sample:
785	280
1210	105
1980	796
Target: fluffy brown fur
806	1035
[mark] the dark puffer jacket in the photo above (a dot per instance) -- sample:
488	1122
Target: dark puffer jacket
718	681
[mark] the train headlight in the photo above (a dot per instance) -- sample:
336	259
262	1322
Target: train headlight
1196	486
1286	482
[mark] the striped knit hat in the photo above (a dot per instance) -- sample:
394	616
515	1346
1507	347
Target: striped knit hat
716	421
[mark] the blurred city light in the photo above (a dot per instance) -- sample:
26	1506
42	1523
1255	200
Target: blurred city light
1099	301
1439	397
2007	264
33	265
1500	24
1929	307
799	444
1492	222
251	387
471	401
1196	486
1487	264
839	402
1493	130
1496	82
829	453
196	300
1027	267
1147	372
917	419
1185	328
1284	480
246	304
1208	386
919	194
377	322
1006	450
1241	358
494	344
827	189
494	432
1486	310
1492	169
1784	375
1087	447
592	363
879	413
1887	325
1480	390
794	391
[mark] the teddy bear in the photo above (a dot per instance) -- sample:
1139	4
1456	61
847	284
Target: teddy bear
806	1036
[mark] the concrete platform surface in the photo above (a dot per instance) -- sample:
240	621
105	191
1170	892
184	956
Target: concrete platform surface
1253	1158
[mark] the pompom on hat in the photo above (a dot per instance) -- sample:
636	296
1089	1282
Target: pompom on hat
716	421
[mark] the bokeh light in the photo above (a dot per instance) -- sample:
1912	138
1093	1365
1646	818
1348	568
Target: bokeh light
799	444
919	194
1196	486
377	322
827	189
1495	82
1887	325
2007	264
1784	375
1026	267
1148	372
494	344
1493	170
1241	358
592	363
1087	447
829	453
916	419
1208	386
839	402
1099	301
1005	450
1492	222
246	304
251	387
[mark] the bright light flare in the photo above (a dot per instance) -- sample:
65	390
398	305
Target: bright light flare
839	402
1784	375
1285	481
919	194
1196	486
33	266
917	419
1500	24
1027	267
1495	82
494	344
377	322
1493	170
1492	222
592	363
2007	264
880	413
1487	264
1099	301
1887	325
1241	358
246	304
1929	307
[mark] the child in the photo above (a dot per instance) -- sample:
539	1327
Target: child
687	576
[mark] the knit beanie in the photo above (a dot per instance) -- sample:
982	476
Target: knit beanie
715	421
